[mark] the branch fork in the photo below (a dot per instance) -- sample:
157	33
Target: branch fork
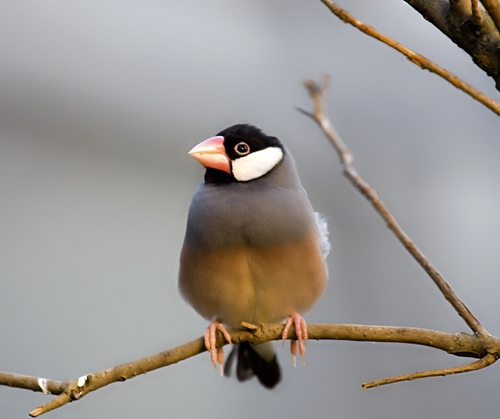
318	94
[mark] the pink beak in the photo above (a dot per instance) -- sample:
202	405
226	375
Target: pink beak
212	154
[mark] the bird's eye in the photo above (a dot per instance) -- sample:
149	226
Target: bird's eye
242	148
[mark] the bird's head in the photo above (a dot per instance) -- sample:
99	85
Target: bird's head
240	153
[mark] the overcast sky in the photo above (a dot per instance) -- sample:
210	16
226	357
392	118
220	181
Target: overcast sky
100	102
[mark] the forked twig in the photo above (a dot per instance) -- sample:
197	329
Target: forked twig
474	366
318	94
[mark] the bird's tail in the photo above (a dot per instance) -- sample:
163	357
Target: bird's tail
259	360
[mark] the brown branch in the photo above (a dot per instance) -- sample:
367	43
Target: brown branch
31	383
461	344
76	389
476	35
488	360
318	95
415	58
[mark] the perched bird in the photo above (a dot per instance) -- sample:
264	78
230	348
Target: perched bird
254	249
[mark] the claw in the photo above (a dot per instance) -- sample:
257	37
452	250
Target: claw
293	351
301	333
220	359
210	337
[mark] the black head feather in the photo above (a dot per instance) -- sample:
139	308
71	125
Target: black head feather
248	134
239	141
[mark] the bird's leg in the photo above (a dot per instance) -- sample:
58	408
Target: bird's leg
216	354
301	332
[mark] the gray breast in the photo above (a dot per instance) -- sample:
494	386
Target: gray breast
262	212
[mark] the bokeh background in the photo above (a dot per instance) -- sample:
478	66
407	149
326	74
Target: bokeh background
100	102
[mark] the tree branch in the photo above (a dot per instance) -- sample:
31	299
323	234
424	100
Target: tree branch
318	94
469	27
31	383
488	360
418	59
459	344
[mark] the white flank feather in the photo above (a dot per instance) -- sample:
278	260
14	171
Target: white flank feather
323	233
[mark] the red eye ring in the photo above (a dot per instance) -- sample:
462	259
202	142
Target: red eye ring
242	148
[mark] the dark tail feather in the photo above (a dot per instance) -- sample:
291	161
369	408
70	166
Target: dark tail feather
250	364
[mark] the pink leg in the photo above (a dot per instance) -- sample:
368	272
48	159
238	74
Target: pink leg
216	354
301	332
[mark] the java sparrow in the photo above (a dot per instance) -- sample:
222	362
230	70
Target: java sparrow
254	249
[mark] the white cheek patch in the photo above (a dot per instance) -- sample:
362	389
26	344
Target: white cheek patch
256	164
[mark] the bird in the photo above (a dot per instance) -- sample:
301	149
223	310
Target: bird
254	249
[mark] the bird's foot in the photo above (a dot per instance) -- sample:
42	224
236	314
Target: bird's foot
216	354
301	333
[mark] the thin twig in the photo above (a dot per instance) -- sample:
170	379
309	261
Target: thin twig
459	344
318	94
31	383
415	58
474	366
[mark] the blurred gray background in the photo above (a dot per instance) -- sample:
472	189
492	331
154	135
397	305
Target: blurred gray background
100	102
